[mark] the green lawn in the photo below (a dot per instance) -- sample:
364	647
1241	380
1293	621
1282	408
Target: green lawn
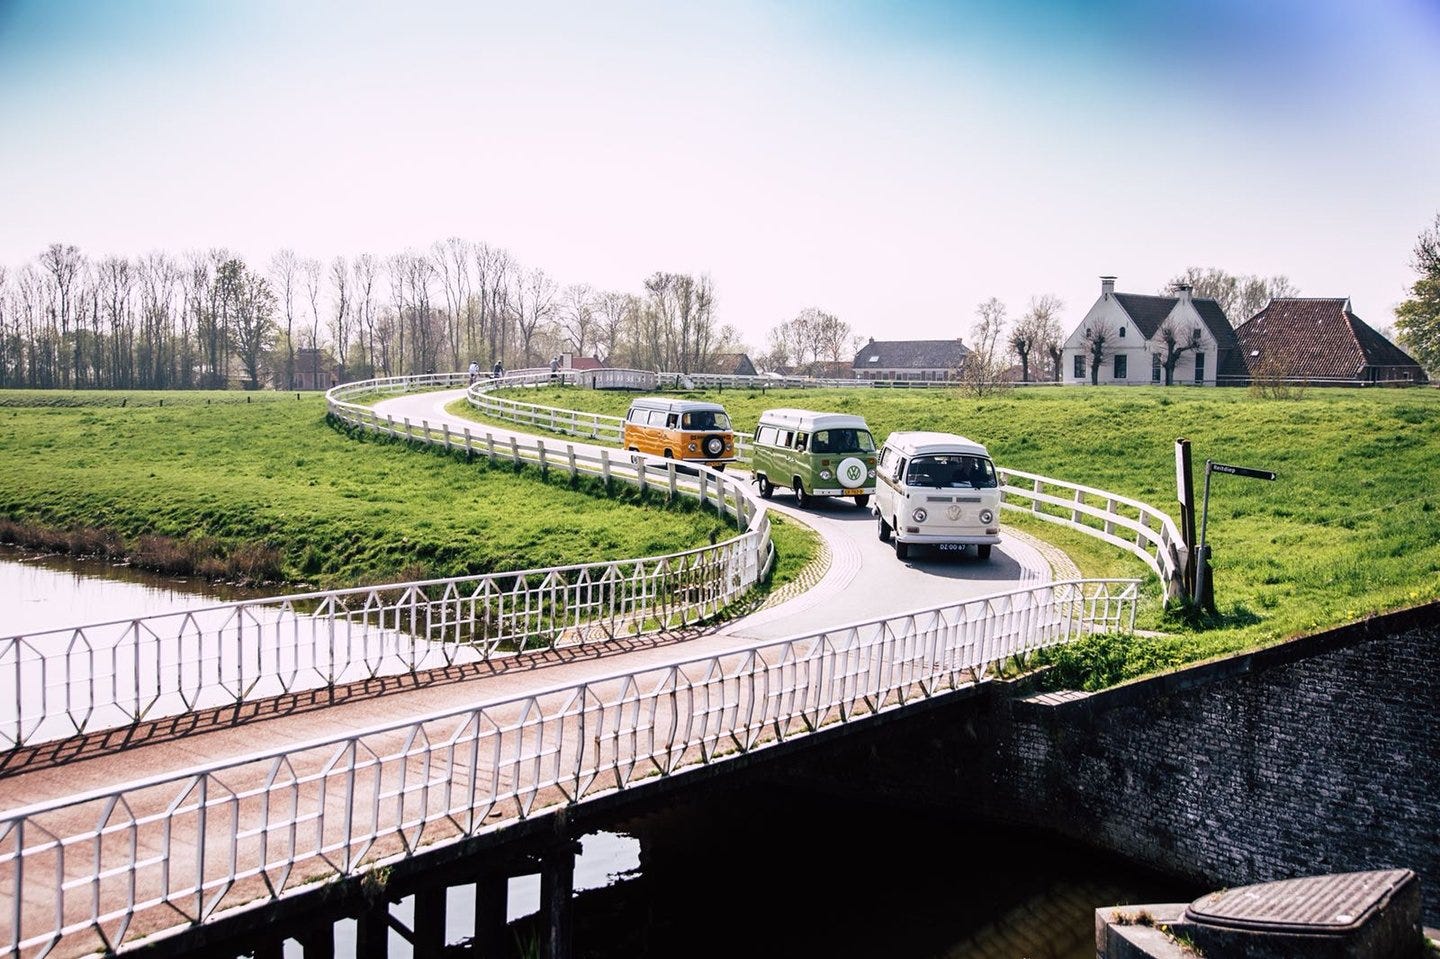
272	474
1351	526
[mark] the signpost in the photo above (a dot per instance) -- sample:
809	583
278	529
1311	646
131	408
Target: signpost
1185	493
1213	467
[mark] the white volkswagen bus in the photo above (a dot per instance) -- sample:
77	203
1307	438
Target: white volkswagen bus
937	489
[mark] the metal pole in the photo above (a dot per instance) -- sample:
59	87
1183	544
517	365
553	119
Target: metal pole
1204	517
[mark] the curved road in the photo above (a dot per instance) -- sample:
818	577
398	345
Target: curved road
864	580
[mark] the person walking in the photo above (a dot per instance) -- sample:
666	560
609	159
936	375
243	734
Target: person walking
474	371
498	370
554	366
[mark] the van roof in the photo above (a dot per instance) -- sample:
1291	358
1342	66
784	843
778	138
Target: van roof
917	442
811	420
674	406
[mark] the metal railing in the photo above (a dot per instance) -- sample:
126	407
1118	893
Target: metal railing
1133	526
111	868
64	682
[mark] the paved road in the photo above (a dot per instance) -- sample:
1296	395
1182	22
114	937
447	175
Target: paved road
864	581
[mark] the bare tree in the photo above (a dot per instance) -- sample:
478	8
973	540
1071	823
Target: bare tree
493	267
984	368
310	270
578	316
63	262
366	268
342	322
283	269
1177	337
1240	296
534	296
618	312
1099	340
1044	315
159	277
452	262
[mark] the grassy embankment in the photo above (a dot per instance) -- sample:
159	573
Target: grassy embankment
1350	528
259	486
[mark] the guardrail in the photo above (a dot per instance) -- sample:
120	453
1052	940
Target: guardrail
64	682
1138	528
1133	526
109	869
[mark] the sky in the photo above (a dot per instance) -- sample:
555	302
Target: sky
892	163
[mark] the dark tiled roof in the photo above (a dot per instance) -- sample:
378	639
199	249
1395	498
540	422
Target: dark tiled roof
911	355
1148	312
1217	323
1317	338
732	364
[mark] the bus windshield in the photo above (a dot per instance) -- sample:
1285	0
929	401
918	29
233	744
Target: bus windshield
951	470
705	420
842	441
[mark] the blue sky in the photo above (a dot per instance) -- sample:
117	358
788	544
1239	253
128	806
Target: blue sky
893	163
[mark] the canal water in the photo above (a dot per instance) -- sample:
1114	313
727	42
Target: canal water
776	871
39	593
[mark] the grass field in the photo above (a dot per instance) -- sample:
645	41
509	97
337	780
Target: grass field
1351	526
121	472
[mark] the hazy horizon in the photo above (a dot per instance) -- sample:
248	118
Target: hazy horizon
894	165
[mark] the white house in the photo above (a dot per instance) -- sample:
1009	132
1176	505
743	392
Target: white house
1134	337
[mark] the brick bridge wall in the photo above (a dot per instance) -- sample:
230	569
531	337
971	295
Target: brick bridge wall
1318	755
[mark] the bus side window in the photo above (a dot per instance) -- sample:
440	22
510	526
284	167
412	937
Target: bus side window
800	442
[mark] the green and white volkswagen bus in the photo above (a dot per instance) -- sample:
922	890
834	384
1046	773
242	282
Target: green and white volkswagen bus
814	454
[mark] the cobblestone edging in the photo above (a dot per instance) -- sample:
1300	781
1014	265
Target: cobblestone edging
1061	566
809	576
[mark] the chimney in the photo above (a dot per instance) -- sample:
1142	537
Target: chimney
1183	290
872	341
1107	286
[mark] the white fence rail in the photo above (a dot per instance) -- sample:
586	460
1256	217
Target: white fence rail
1133	526
108	869
69	681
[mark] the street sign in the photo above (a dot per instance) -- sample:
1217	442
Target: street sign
1183	492
1213	467
1241	471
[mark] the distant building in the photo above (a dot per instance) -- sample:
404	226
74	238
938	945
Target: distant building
1319	341
1136	325
910	360
314	370
569	361
731	364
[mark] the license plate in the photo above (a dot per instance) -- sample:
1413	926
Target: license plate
853	492
950	547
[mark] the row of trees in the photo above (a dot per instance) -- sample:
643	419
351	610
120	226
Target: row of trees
207	319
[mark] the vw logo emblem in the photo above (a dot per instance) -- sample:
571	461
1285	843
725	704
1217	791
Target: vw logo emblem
953	512
854	472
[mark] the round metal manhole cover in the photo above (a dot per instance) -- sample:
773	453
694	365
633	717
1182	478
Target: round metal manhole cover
1320	903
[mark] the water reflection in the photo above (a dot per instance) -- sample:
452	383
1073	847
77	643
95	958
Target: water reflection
38	593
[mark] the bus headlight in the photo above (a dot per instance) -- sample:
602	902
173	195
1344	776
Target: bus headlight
692	447
919	515
987	516
824	474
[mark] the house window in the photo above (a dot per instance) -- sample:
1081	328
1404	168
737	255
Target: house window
1154	367
1079	366
1120	366
1122	332
1199	367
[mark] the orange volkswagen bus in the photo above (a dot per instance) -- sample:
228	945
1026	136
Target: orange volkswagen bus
680	429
